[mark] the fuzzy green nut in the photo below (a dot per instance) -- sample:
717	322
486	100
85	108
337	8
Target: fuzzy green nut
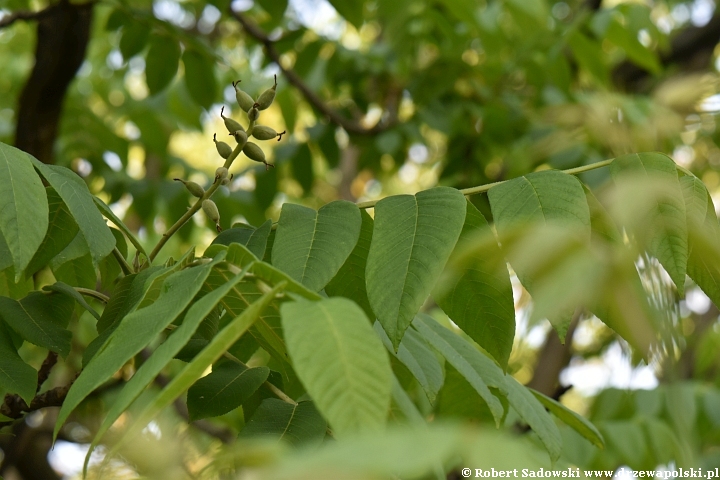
254	152
212	212
261	132
192	187
221	174
253	114
244	100
240	137
267	97
223	148
231	125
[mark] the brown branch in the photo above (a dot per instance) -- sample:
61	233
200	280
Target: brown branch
294	79
15	407
45	368
22	15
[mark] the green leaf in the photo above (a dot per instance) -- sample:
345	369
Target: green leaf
534	414
162	355
272	275
349	282
134	38
77	197
589	55
627	39
136	331
340	361
40	319
66	289
419	359
412	240
297	425
276	8
16	376
23	207
161	62
310	245
255	239
458	399
62	229
108	213
479	370
266	329
223	390
194	370
78	272
479	298
577	422
550	198
667	229
200	78
703	230
302	168
350	10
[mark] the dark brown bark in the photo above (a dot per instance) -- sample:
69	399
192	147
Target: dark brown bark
63	32
552	359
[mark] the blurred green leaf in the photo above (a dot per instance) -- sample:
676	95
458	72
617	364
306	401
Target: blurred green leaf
40	319
200	78
224	389
16	376
135	35
161	62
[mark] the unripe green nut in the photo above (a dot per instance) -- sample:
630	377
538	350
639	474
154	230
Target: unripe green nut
244	100
253	114
266	98
192	187
240	137
211	210
227	180
254	152
261	132
231	125
223	148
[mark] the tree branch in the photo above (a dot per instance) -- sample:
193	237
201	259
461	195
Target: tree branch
63	32
8	20
294	79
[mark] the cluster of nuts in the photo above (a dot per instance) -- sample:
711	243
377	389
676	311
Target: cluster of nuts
241	135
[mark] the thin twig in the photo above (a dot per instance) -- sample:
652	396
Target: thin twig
488	186
196	206
93	293
124	266
350	126
8	20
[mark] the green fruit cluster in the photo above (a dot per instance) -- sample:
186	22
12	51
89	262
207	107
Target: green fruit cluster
241	135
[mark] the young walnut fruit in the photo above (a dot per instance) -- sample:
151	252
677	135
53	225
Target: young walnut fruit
192	187
261	132
231	125
244	100
266	98
223	148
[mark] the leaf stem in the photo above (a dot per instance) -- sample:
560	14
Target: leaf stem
488	186
192	210
93	293
124	266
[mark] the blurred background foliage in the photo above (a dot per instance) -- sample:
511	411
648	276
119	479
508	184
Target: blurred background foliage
386	97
